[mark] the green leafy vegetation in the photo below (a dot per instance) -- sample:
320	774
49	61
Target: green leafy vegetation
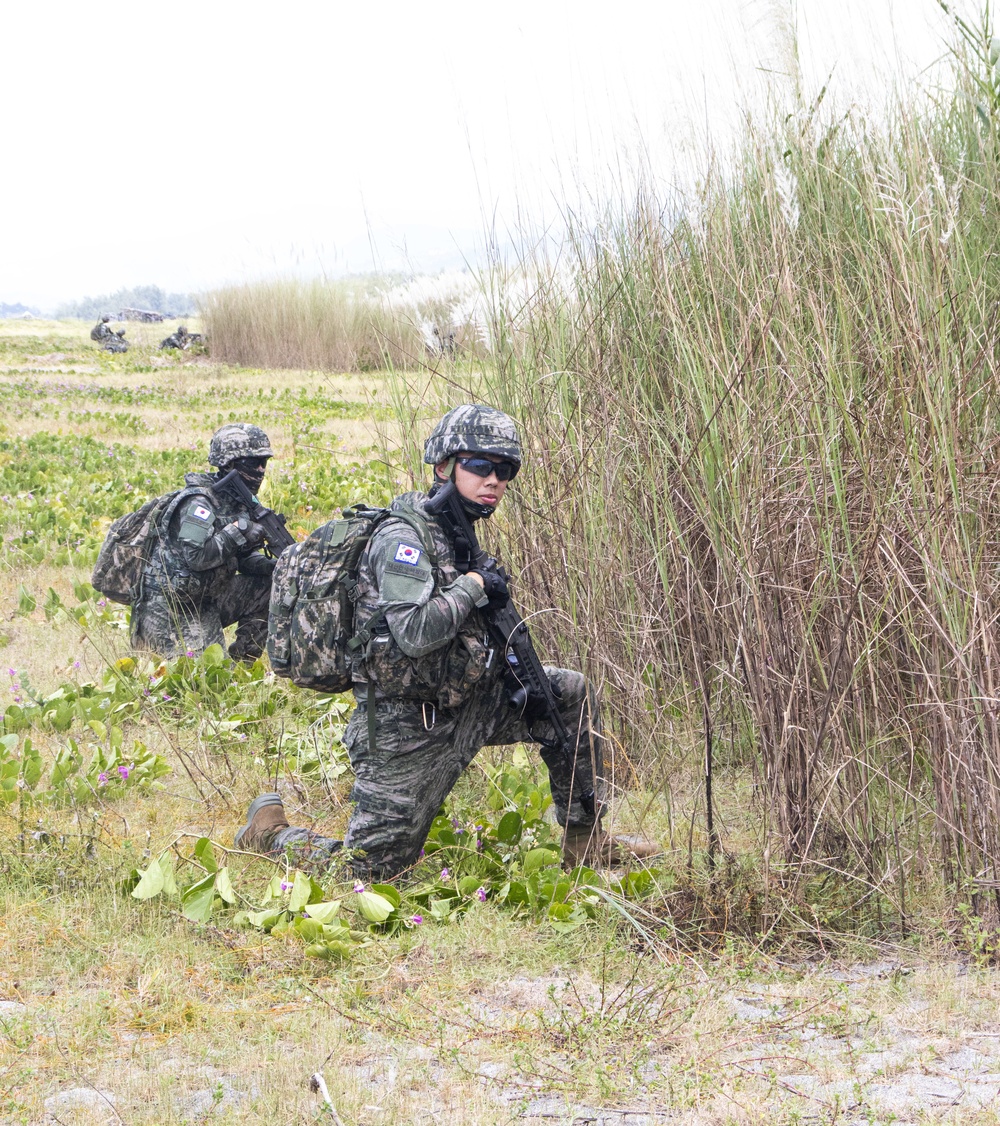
58	494
758	509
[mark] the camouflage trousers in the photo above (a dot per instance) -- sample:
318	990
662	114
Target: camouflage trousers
419	753
170	624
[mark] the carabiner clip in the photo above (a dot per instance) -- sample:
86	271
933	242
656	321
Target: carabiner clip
429	726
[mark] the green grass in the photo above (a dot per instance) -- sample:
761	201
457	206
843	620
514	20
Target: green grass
758	509
476	1019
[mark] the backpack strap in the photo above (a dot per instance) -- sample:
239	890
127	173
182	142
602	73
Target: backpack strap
173	501
419	524
160	516
416	522
363	636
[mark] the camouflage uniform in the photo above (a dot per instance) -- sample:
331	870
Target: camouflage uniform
205	571
203	575
109	340
178	339
439	697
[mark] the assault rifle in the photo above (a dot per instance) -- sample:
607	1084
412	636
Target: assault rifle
531	694
276	536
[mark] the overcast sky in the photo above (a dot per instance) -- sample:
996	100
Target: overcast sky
190	144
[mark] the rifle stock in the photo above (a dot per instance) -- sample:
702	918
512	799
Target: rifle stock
531	692
276	535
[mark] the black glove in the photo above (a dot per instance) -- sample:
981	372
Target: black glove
255	535
495	588
257	564
249	532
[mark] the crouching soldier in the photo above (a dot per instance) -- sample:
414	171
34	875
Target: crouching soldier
429	693
108	339
180	338
206	569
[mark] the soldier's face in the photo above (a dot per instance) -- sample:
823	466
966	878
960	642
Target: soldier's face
251	469
480	490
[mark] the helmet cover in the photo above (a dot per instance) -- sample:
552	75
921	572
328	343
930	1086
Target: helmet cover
237	439
476	428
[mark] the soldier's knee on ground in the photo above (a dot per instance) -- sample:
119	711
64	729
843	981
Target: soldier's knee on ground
388	828
247	651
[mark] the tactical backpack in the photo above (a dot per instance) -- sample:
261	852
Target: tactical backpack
314	589
128	544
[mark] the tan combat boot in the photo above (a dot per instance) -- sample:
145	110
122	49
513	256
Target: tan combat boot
265	817
594	847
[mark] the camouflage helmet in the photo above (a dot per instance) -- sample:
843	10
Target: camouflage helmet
476	428
237	439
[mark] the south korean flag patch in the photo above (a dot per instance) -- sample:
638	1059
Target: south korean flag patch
202	513
407	554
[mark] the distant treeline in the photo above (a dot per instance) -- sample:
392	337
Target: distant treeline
140	297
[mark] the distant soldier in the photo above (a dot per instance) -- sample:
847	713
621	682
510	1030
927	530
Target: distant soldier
444	342
108	339
206	570
181	338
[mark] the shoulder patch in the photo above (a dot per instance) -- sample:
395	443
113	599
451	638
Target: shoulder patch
197	521
407	554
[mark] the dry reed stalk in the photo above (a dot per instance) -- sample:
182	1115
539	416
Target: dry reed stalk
765	444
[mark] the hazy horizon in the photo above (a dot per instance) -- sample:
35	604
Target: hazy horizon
231	144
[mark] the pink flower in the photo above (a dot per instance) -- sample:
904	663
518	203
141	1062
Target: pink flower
102	778
445	874
359	886
124	771
286	885
481	894
189	653
417	920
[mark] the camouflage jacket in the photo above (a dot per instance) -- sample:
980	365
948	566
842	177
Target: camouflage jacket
201	549
429	642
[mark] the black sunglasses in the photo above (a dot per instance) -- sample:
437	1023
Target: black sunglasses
483	467
251	463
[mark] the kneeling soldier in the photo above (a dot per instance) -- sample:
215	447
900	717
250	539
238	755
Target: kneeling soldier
206	570
427	673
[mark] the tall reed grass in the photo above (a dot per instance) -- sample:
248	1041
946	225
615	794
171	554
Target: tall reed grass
764	462
764	434
360	324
